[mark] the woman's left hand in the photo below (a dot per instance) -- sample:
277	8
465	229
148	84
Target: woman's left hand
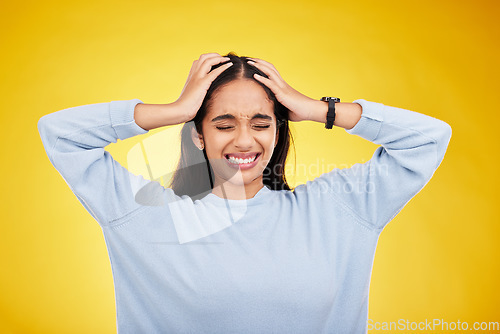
300	106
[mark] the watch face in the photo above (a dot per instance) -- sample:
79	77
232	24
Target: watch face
327	98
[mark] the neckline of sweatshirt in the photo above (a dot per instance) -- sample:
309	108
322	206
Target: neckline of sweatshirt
261	197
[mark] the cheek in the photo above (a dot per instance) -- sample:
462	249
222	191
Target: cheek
269	141
215	143
272	138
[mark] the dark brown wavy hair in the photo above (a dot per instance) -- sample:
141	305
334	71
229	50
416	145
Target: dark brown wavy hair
194	174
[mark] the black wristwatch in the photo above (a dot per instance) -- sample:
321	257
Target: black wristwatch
330	115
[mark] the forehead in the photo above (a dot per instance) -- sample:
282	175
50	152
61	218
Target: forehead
241	98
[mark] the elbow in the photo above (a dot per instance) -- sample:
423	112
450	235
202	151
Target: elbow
445	133
442	141
49	126
434	150
42	126
42	121
48	130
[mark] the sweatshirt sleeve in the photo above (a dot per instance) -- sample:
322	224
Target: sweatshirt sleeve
74	140
412	148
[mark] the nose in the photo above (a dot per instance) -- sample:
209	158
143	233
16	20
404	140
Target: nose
244	138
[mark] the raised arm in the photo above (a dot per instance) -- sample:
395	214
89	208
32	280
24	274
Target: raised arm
74	140
412	148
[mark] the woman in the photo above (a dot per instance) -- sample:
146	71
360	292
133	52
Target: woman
248	255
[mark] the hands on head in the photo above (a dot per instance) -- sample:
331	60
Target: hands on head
199	80
201	77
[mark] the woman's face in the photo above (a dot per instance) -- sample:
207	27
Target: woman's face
239	133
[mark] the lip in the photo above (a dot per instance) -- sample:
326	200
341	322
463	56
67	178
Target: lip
243	156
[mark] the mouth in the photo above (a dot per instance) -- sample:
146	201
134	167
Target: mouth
242	159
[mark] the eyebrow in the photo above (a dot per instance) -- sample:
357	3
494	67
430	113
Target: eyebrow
229	116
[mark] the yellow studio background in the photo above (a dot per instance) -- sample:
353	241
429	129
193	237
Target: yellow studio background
438	259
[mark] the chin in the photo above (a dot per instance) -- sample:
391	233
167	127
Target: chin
243	180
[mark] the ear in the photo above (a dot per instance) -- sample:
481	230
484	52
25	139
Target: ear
197	138
277	136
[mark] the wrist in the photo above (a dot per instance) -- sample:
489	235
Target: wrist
179	112
347	114
152	116
319	109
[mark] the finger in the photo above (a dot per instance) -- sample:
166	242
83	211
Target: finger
215	73
265	63
209	62
208	55
268	82
200	63
258	60
205	56
272	74
260	63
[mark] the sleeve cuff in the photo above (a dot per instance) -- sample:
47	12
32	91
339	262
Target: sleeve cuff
370	122
122	118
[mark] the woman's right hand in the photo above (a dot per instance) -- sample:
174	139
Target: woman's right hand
198	82
184	109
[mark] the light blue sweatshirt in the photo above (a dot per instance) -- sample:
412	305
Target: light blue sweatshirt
281	262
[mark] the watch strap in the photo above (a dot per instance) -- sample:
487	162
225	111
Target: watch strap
330	115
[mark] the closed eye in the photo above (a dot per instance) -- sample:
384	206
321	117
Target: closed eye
223	127
255	126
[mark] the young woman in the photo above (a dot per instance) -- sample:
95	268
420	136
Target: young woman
228	247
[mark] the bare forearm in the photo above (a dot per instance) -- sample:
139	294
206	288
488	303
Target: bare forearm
347	114
152	116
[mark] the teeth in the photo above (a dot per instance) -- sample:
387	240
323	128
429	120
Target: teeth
241	161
